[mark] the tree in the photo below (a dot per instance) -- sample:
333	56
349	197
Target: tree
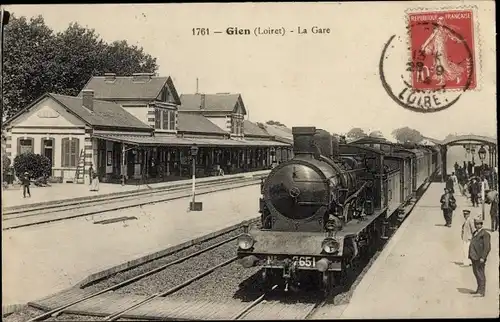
277	123
37	60
407	135
450	136
5	163
35	164
356	133
376	134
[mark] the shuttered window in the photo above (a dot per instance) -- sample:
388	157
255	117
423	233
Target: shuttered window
165	119
69	150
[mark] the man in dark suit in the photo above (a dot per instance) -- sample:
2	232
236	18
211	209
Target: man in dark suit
479	249
475	190
450	185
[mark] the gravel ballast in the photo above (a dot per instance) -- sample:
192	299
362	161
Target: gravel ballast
181	272
25	314
125	275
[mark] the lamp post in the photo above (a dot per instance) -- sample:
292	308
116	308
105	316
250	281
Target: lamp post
193	205
473	152
482	156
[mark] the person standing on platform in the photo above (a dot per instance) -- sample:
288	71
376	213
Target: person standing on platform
456	166
91	174
486	184
479	249
95	182
25	181
449	184
474	190
454	179
492	198
468	229
470	167
448	205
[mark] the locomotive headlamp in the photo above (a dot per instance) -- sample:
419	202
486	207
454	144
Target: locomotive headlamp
330	245
245	241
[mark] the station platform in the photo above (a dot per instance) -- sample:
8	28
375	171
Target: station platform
419	272
13	197
44	259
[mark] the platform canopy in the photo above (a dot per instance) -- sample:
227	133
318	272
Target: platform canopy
470	138
152	141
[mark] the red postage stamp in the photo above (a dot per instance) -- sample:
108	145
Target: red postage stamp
442	50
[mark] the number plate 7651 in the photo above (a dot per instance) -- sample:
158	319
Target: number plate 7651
304	261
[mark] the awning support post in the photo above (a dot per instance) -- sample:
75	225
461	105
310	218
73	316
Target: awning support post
123	163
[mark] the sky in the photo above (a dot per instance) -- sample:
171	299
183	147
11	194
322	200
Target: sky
328	80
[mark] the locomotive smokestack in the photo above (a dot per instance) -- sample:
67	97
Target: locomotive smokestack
303	139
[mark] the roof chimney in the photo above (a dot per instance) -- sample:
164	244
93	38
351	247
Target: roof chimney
202	103
88	99
109	77
142	77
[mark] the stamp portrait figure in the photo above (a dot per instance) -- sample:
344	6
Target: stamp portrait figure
442	46
444	69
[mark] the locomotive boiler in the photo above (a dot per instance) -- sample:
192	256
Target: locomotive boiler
306	208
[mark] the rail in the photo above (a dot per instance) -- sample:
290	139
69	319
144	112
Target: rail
60	310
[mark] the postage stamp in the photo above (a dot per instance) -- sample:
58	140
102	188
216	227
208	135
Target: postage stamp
442	50
441	65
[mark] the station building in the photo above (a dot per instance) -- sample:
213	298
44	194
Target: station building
137	128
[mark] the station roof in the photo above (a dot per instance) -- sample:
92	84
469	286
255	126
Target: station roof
252	129
191	122
144	140
213	102
104	115
129	87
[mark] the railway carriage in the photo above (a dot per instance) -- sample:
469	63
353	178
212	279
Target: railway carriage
330	206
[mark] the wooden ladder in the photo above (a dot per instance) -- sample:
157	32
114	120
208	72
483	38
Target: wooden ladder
80	169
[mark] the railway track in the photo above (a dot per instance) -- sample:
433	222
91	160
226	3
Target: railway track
26	209
193	298
67	308
72	209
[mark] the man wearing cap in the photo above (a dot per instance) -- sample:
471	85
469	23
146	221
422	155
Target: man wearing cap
25	181
467	232
479	249
448	205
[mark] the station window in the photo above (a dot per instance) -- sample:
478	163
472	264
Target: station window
25	146
165	119
157	118
172	120
69	150
165	116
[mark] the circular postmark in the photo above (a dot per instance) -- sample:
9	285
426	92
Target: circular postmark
437	64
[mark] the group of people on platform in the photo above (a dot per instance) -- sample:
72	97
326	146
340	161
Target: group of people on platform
470	179
475	239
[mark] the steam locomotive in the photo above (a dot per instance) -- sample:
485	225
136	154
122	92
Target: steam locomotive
332	204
